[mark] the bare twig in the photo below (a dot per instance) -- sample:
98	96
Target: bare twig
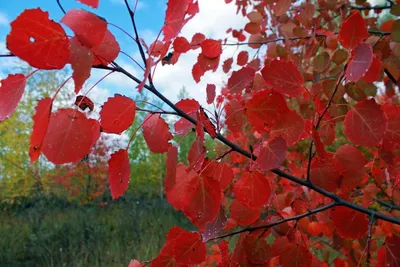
157	112
371	223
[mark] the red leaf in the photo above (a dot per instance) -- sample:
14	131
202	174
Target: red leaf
202	199
242	214
253	189
107	50
257	249
324	173
174	191
84	102
70	136
351	179
359	63
220	171
226	67
349	223
365	124
211	48
319	146
234	116
284	76
241	79
156	133
189	106
81	59
353	31
172	163
117	114
290	126
272	154
281	7
181	45
374	71
205	121
295	255
40	126
197	72
392	134
92	3
189	249
39	41
350	158
242	58
389	253
175	17
149	64
197	39
210	93
11	90
119	173
262	109
89	28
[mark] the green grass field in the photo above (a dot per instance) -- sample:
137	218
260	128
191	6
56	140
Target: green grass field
49	233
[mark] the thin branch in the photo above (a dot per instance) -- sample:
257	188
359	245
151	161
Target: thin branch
390	76
157	112
310	157
60	6
371	223
387	205
294	218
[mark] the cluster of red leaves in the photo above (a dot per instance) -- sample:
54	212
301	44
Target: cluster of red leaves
317	86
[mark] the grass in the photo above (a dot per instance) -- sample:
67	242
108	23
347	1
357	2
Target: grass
48	233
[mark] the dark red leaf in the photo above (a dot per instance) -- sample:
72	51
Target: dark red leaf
350	158
241	79
39	41
11	90
243	215
119	173
366	123
84	102
81	59
156	133
40	126
70	136
210	93
290	126
281	7
117	114
172	163
205	121
353	31
253	189
374	71
257	249
284	76
242	58
324	173
360	62
349	223
189	249
389	253
272	154
226	67
89	28
392	134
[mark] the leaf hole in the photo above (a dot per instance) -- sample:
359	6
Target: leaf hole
32	39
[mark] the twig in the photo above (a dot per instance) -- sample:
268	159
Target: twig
157	112
60	6
371	222
387	205
390	76
294	218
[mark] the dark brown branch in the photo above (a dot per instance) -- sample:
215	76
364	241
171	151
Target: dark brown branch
236	148
294	218
390	76
157	112
387	205
60	6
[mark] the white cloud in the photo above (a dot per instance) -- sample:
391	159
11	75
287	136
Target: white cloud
4	19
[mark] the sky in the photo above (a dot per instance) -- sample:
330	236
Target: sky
214	19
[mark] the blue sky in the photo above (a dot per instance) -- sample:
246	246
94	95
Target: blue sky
214	19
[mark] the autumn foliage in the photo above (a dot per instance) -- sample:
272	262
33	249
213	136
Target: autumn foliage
307	126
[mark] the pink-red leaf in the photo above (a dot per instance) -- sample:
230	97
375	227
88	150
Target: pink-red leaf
181	45
189	106
242	58
284	76
38	40
353	31
11	90
119	173
92	3
253	189
374	71
281	7
117	114
272	154
107	50
89	28
70	136
359	63
175	17
366	123
40	126
81	59
241	79
156	133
